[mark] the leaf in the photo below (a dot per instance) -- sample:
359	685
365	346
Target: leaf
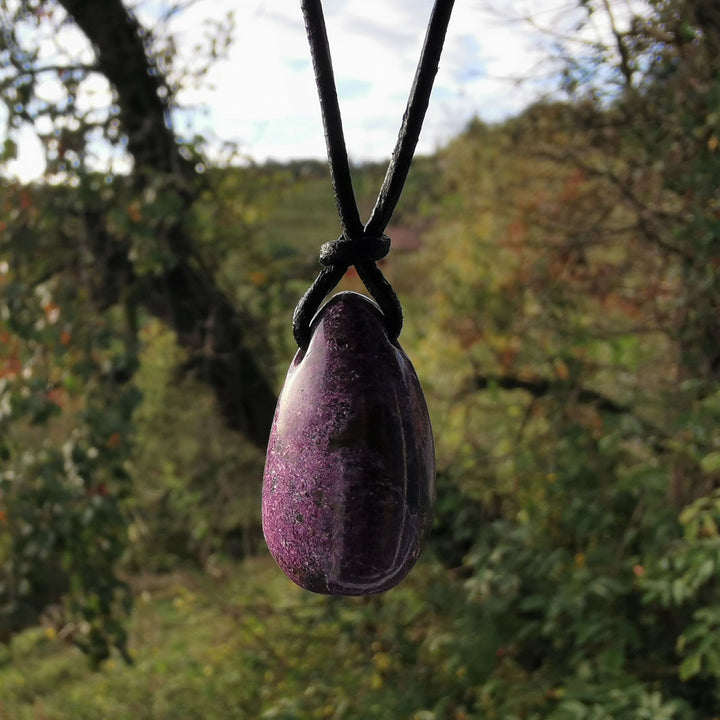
712	660
690	667
572	710
9	150
711	462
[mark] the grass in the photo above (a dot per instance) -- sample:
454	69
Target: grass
247	645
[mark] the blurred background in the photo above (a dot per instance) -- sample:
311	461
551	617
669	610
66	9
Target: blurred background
163	196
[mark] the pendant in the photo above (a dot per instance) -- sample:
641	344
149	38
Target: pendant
350	473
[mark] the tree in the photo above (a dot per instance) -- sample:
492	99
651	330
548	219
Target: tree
164	182
579	285
86	254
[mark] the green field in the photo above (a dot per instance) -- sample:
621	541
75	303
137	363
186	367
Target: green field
249	644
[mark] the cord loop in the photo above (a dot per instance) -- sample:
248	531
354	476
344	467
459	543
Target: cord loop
350	251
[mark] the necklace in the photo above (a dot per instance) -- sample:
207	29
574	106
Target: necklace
349	478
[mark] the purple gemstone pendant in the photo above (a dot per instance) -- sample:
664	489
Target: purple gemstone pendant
350	474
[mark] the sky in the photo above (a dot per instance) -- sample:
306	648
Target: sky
263	97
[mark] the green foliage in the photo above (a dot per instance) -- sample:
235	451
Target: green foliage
193	499
571	358
251	645
66	426
74	251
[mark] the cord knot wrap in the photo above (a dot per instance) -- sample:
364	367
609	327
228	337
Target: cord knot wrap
336	256
352	251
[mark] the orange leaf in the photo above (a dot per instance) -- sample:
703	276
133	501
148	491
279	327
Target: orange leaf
561	370
258	278
114	440
133	211
56	396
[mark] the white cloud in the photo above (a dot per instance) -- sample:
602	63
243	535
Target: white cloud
263	96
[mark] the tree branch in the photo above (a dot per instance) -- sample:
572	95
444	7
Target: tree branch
625	63
542	387
208	327
143	96
648	220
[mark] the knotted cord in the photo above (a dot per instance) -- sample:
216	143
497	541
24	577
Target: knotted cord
363	245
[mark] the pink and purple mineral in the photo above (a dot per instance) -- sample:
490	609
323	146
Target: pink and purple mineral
350	475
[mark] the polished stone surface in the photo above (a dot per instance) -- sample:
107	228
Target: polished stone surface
350	474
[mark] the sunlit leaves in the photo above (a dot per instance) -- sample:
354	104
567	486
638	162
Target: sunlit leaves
572	365
65	427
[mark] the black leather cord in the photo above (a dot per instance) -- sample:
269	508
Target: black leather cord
412	119
362	246
352	226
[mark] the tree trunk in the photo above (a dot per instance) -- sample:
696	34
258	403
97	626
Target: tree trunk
185	295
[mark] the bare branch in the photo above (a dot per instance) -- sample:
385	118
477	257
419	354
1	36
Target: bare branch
625	64
648	220
542	387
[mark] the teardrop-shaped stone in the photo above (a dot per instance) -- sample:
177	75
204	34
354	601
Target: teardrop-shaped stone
350	474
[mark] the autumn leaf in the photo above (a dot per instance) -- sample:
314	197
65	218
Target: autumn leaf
114	440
